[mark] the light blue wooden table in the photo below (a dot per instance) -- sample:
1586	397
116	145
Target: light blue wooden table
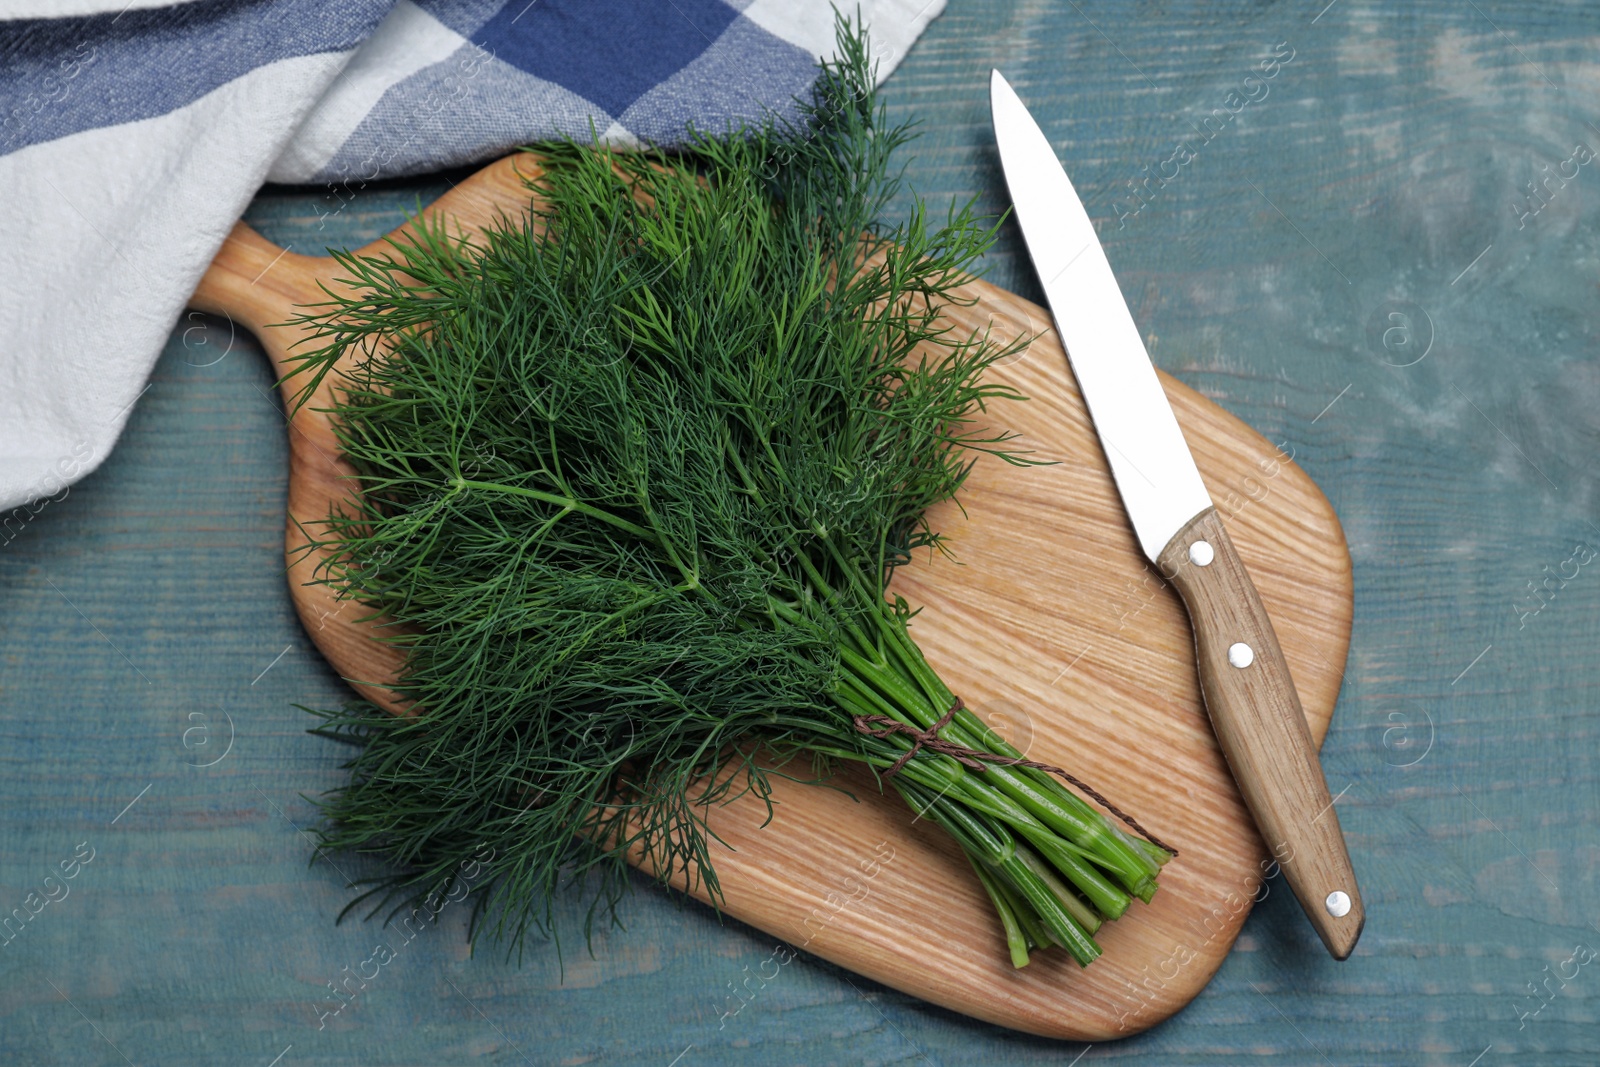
1347	257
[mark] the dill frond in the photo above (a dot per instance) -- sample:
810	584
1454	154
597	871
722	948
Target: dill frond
635	470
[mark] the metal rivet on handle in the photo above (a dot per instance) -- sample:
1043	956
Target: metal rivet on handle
1338	903
1201	553
1241	655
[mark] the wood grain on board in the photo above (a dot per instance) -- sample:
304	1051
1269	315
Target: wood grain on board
1051	624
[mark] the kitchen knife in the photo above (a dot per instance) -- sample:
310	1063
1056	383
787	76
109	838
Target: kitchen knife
1249	694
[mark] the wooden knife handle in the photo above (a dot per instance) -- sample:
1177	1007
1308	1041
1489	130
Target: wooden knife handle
1262	730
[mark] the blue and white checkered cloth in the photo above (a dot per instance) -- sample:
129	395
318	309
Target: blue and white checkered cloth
133	134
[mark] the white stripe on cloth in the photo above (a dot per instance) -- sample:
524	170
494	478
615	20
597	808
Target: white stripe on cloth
121	222
895	26
406	41
63	9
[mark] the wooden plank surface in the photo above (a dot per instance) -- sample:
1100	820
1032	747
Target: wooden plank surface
1394	144
1048	561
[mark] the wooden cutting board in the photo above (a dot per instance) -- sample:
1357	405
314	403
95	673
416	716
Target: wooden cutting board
1052	625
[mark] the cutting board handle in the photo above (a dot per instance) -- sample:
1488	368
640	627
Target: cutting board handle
258	285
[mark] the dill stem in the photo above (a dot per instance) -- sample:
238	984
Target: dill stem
994	846
1080	911
1036	789
1016	940
876	697
561	502
1032	929
869	687
1152	852
1107	898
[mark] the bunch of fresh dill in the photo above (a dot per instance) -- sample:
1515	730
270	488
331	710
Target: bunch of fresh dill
635	471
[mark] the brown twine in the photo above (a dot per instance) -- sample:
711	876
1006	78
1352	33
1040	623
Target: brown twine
978	760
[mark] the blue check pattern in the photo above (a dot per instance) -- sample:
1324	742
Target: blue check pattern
627	70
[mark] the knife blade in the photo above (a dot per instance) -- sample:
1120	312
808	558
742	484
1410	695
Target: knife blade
1244	679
